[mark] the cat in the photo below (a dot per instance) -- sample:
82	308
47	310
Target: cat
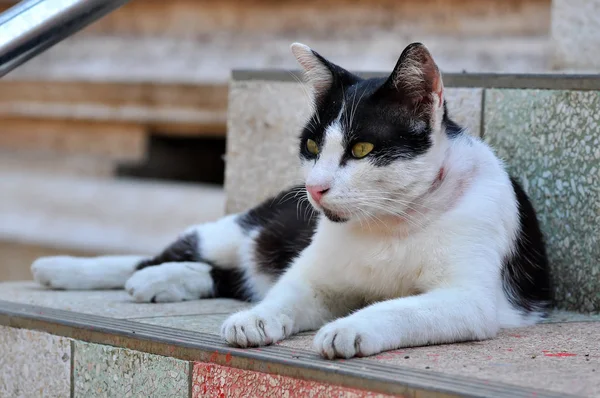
408	231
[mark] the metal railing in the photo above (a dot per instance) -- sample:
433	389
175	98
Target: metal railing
33	26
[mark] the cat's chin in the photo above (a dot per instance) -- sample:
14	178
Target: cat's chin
333	217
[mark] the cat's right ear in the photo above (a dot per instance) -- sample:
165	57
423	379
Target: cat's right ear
318	72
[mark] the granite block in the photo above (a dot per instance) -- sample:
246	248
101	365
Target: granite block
550	141
264	121
575	35
103	371
210	380
34	364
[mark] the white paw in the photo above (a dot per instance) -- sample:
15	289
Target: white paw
59	272
171	282
253	328
347	338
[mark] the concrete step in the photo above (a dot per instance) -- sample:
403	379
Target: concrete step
121	348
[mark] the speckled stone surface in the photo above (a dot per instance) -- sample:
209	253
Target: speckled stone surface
111	303
210	380
262	133
563	358
34	364
551	142
103	371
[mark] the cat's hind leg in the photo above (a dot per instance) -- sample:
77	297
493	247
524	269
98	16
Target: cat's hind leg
201	262
79	273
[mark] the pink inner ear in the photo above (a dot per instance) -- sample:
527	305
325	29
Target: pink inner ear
440	94
438	88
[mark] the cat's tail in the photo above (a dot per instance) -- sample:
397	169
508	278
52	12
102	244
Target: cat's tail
79	273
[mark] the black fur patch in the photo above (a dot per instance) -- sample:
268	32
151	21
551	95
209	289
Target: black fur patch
286	202
183	249
333	217
525	275
373	113
229	283
287	224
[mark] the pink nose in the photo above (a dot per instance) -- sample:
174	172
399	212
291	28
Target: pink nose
317	191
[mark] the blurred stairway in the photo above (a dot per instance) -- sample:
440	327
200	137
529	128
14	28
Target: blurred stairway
143	93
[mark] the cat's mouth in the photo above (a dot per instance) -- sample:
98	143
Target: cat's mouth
333	216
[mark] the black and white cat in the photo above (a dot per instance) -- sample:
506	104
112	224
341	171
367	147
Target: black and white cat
408	231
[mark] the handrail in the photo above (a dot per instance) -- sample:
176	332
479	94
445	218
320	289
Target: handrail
33	26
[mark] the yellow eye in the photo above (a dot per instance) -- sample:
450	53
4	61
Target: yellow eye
312	147
361	149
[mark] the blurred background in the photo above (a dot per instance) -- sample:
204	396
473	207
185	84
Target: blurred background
113	141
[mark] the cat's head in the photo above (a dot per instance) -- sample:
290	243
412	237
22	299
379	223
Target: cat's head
373	146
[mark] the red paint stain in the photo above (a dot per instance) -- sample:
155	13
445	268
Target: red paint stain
509	349
228	358
214	356
212	380
559	354
518	336
489	357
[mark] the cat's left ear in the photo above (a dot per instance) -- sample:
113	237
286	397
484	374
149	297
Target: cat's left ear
417	79
317	70
319	73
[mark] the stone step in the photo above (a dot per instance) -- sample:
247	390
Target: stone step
122	348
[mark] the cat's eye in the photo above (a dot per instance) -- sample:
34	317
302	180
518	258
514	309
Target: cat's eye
361	149
312	147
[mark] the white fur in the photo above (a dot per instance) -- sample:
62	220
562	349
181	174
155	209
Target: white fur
76	273
170	282
220	241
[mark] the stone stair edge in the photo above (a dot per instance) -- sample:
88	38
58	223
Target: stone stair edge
276	360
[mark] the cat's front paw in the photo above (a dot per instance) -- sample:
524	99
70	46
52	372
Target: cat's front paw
347	338
254	328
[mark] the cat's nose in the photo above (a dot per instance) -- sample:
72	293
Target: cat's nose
317	191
